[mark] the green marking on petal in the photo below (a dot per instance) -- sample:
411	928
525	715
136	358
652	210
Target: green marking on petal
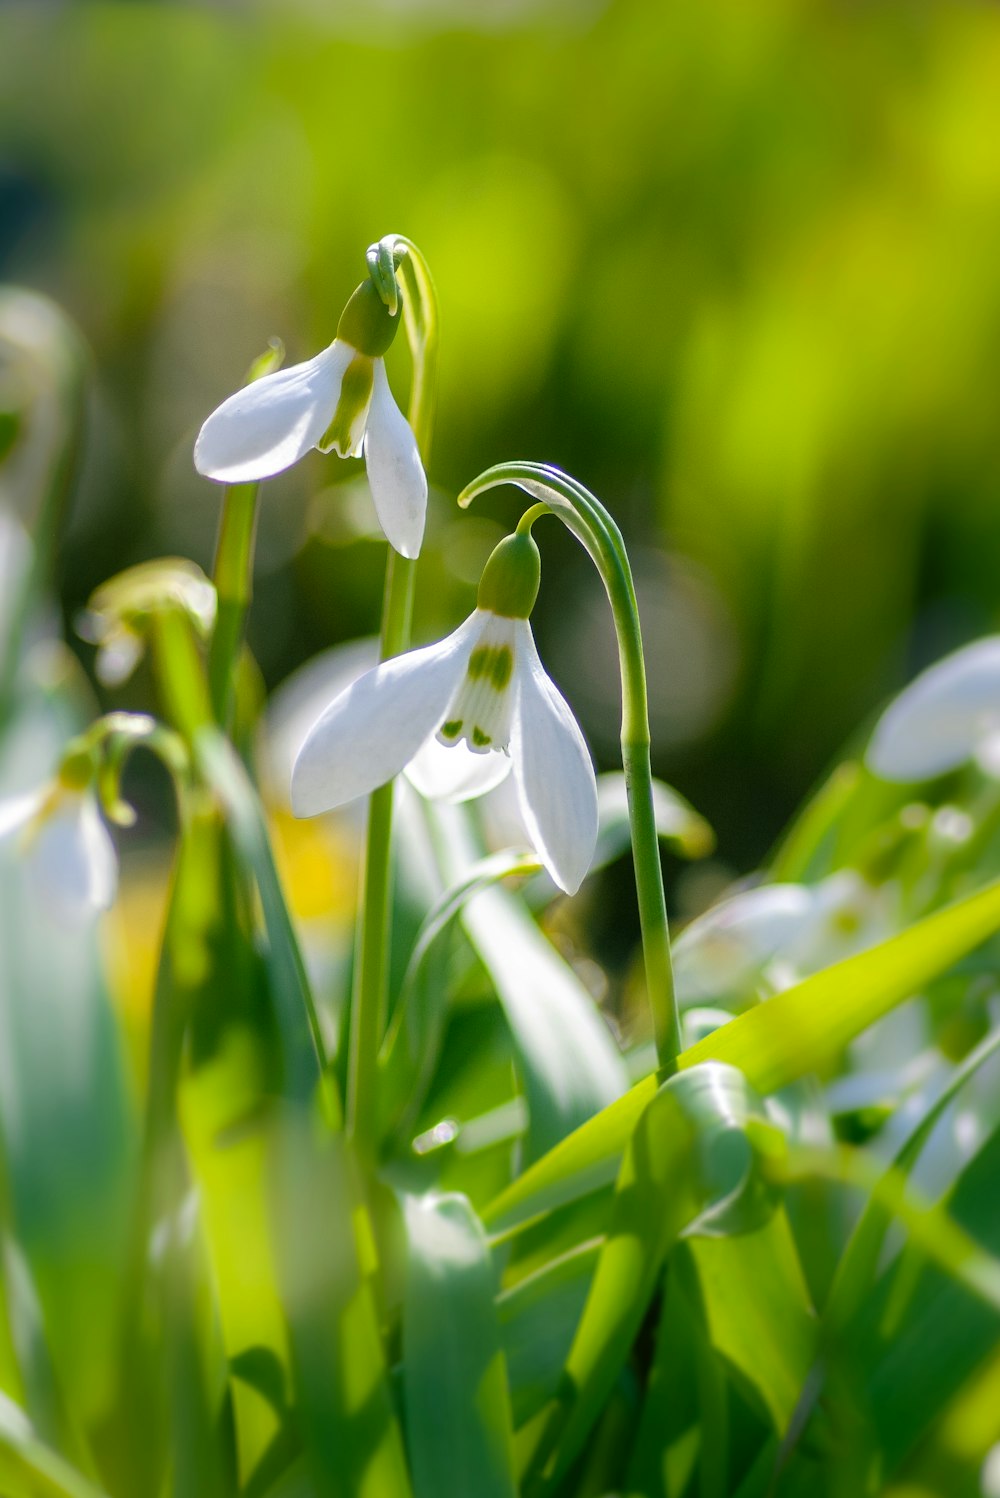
493	661
503	666
452	729
480	739
479	662
355	394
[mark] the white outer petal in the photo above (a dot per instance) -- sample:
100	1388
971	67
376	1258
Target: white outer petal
294	707
17	811
372	729
395	473
938	722
444	772
555	778
268	425
72	860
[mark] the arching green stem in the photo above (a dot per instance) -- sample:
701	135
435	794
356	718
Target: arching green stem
393	260
597	532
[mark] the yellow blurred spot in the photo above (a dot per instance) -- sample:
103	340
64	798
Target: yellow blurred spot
318	867
133	934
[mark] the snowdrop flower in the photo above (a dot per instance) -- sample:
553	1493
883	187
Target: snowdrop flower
338	402
947	716
778	932
459	716
724	951
68	854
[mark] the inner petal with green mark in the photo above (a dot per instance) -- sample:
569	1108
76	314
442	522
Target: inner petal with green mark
480	710
346	431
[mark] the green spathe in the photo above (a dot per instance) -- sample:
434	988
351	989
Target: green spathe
366	322
511	577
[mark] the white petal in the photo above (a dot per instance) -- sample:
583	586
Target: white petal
395	473
553	771
17	811
452	772
294	707
939	721
72	860
268	425
722	952
371	730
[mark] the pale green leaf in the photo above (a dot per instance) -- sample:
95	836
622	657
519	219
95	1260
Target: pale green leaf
458	1416
794	1033
569	1064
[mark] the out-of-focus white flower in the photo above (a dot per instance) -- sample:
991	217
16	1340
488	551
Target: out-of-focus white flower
947	716
459	716
15	560
340	402
68	853
778	933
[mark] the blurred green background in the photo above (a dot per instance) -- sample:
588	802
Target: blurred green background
737	267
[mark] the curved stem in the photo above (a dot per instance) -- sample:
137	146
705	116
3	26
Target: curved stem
596	530
374	927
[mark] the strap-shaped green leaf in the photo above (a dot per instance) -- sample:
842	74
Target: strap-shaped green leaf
458	1417
794	1033
569	1064
324	1248
539	1316
410	1051
758	1312
31	1469
691	1166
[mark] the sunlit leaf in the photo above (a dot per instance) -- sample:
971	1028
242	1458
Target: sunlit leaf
570	1066
31	1469
411	1048
323	1247
458	1417
795	1032
691	1166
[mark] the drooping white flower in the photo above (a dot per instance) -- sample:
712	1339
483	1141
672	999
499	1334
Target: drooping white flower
340	402
67	851
944	718
459	716
778	932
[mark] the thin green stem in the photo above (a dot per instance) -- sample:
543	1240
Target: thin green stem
233	578
598	533
374	928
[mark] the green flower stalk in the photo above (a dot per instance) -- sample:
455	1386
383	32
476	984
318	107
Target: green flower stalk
394	261
595	529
